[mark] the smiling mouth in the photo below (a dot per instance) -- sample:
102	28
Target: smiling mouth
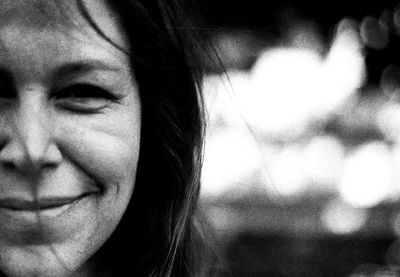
16	204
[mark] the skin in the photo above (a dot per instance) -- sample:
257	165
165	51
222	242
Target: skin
62	141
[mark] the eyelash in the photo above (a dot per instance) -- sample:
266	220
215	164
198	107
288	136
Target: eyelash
84	91
85	98
79	98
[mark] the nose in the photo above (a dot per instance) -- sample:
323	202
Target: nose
27	142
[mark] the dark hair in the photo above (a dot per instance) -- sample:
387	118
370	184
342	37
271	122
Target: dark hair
159	223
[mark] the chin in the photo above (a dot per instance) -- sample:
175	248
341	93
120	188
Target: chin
41	263
37	270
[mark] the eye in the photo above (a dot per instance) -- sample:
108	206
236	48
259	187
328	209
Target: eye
7	96
83	98
7	92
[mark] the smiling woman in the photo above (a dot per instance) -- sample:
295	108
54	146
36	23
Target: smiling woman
100	139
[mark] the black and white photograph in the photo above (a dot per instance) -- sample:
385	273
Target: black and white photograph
199	138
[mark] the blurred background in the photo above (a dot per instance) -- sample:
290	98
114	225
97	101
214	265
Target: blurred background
301	171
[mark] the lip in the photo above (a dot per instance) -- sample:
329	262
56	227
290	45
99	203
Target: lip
48	220
41	204
17	204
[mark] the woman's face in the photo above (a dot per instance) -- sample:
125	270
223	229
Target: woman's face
69	135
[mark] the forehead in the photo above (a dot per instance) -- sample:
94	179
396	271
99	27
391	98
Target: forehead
64	16
39	36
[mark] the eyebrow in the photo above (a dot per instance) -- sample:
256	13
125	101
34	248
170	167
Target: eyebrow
84	66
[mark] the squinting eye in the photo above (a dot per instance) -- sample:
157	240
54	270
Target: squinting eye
83	98
6	91
7	88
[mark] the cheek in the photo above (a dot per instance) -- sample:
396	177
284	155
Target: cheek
108	153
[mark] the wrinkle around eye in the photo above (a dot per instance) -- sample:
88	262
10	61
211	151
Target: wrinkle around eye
83	107
84	98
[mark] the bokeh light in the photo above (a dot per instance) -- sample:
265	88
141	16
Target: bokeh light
221	98
396	19
287	171
395	195
293	87
374	32
341	218
224	219
367	176
230	161
302	132
388	120
323	161
390	82
305	35
344	67
275	105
